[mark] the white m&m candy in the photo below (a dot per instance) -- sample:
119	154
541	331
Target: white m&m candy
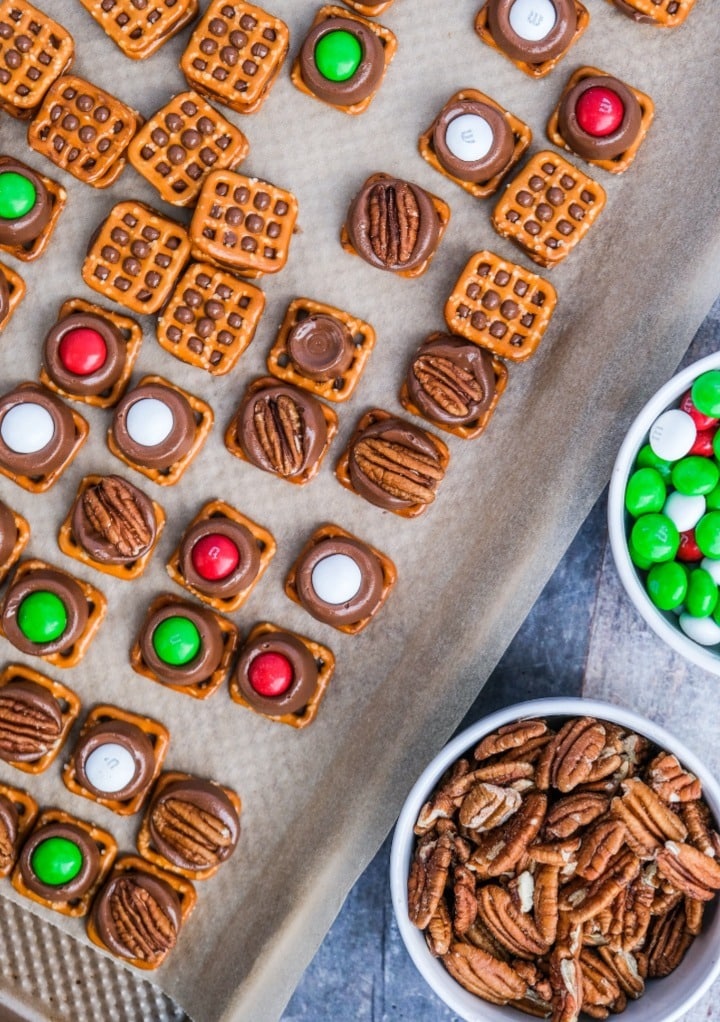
27	428
469	137
110	767
672	434
336	579
149	422
532	20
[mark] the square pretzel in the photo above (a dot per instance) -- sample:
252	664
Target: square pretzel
265	542
501	306
21	541
156	732
131	332
183	889
618	164
389	573
472	429
68	704
136	256
27	251
181	143
235	447
144	838
141	29
41	483
548	208
27	809
84	130
370	10
243	224
544	67
522	135
387	39
235	54
70	546
45	52
97	609
16	292
210	318
341	388
664	13
325	661
205	687
342	469
204	418
107	850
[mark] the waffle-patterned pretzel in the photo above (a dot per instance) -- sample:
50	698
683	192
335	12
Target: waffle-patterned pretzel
545	66
34	50
68	702
184	890
205	687
27	809
548	208
84	130
369	10
21	541
181	143
156	732
325	661
210	319
243	224
107	850
522	135
16	292
340	388
235	54
500	306
138	27
665	13
136	256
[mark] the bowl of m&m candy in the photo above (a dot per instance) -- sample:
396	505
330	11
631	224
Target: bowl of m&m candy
664	513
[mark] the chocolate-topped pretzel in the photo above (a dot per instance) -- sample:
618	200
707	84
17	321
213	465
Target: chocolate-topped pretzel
243	224
395	225
534	34
500	305
210	318
135	257
39	436
181	143
140	28
84	130
84	354
601	118
114	523
14	535
343	59
12	291
34	50
235	54
30	205
36	715
663	13
548	208
393	464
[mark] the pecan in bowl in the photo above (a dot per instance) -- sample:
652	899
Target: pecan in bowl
558	860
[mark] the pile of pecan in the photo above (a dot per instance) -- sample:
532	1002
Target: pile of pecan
557	870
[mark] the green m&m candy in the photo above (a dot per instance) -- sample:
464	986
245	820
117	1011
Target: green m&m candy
647	458
707	534
17	195
56	861
338	55
705	393
702	593
42	617
176	641
667	585
645	492
655	537
695	475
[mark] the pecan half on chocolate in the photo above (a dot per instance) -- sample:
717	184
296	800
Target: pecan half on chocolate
193	824
393	224
119	522
30	721
281	429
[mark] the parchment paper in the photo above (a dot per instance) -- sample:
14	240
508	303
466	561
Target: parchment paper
318	803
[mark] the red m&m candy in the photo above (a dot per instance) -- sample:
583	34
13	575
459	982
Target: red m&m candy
82	351
599	111
270	674
214	557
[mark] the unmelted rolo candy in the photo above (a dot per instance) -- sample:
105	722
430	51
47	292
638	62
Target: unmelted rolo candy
320	347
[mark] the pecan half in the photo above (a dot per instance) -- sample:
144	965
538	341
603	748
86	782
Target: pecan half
280	429
568	760
599	983
394	222
511	736
141	925
29	726
428	875
598	846
545	902
451	386
198	835
671	782
465	901
697	819
648	820
574	812
400	469
586	902
694	874
112	510
484	975
513	929
500	850
668	942
566	983
625	970
438	934
487	805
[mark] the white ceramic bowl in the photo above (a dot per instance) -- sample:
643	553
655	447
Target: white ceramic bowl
664	1000
663	623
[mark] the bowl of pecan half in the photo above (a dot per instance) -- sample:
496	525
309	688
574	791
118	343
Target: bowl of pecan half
560	859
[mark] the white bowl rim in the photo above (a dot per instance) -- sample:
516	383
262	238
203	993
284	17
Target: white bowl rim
634	439
459	1000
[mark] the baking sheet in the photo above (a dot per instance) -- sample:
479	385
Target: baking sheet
318	803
